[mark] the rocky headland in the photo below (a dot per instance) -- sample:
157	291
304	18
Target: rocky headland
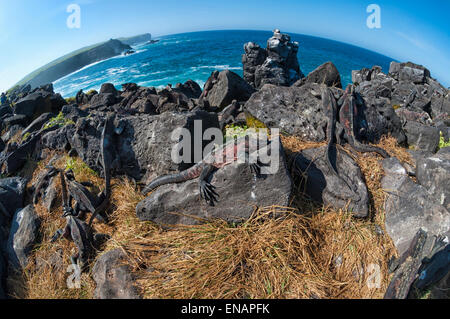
78	59
362	181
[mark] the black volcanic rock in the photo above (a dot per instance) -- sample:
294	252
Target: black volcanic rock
277	65
239	193
326	74
409	207
223	87
113	277
294	110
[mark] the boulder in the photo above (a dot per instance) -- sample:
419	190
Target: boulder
226	87
240	192
12	194
144	145
433	173
108	88
39	102
409	207
326	74
19	119
60	138
422	137
440	106
294	110
408	72
22	237
113	277
31	146
37	124
319	183
5	109
102	99
374	100
189	88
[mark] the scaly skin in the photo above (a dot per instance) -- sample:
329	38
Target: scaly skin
225	155
347	116
329	104
75	230
108	161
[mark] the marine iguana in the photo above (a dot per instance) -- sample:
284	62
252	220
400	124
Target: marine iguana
329	104
44	181
84	199
108	161
347	116
76	230
224	155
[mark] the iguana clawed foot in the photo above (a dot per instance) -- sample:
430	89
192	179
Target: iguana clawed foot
207	192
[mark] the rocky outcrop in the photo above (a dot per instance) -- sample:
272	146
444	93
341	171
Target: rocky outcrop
406	103
277	64
240	192
409	207
22	237
113	277
151	101
224	87
318	182
74	61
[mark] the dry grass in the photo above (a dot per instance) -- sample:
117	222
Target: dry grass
307	251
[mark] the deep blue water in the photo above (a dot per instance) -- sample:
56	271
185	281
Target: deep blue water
177	58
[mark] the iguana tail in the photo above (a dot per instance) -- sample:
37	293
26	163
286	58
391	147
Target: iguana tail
190	173
364	148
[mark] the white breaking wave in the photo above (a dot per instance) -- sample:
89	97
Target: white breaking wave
215	67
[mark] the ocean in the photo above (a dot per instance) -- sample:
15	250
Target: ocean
180	57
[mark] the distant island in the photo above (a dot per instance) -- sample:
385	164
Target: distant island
80	58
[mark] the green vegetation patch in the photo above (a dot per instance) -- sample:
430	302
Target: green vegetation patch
59	120
442	142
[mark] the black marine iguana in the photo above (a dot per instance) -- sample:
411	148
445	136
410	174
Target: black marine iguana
329	104
218	158
76	230
108	161
84	199
346	127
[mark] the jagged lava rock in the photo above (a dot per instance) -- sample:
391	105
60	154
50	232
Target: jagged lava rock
422	137
12	194
113	277
433	173
22	237
409	207
326	73
224	87
239	193
43	100
294	110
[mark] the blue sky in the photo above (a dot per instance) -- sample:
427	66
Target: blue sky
32	33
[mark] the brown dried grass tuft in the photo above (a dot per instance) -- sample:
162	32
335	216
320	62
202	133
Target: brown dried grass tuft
303	251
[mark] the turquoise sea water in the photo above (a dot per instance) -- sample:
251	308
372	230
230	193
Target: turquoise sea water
177	58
